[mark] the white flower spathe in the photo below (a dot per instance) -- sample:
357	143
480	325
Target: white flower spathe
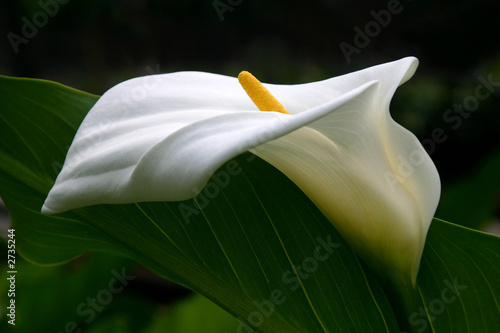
161	137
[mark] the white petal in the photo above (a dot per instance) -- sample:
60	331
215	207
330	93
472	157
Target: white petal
300	97
369	176
161	153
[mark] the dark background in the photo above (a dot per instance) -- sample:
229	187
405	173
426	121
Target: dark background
94	44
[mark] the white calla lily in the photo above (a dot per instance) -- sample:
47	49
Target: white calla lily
160	138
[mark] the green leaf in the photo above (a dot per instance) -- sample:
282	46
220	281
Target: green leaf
50	299
459	280
38	120
251	241
193	315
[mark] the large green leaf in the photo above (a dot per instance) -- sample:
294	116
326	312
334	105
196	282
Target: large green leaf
50	299
459	281
251	242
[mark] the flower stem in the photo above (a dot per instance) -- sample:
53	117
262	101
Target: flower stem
407	305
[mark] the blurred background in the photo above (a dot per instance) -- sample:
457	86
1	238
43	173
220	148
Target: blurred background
452	103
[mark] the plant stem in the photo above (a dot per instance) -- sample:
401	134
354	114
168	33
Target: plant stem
407	305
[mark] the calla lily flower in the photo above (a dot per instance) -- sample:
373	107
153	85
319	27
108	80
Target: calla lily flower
161	137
